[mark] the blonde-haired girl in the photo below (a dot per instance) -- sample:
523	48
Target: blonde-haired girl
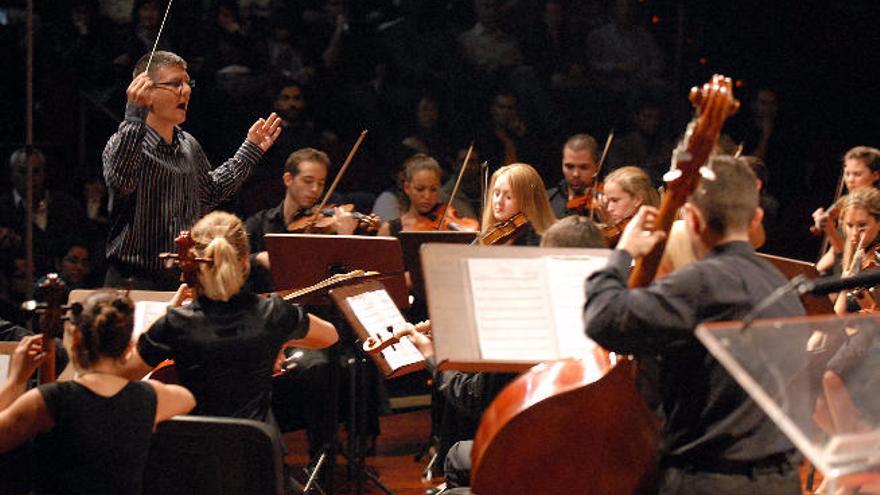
225	342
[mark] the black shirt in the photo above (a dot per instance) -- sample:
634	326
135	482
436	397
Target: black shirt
559	199
708	416
224	351
99	445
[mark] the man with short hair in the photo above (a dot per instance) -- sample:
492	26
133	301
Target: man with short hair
304	177
158	176
715	438
579	168
56	215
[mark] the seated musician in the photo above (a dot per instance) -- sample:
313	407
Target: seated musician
92	433
304	177
471	393
421	200
579	168
307	373
715	439
860	219
225	342
626	189
861	168
517	188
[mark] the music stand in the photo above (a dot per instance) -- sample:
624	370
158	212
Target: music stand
300	260
814	305
411	243
827	406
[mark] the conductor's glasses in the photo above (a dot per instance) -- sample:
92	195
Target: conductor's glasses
176	86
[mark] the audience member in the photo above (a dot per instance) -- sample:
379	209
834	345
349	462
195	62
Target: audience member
56	215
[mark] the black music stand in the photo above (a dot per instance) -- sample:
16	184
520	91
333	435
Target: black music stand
301	260
411	243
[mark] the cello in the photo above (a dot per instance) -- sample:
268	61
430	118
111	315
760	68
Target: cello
572	420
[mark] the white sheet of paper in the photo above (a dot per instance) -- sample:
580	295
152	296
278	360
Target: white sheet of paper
568	275
531	308
4	368
512	308
377	312
145	314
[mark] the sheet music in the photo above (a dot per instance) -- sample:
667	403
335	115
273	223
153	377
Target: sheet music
377	312
531	308
512	309
568	275
145	314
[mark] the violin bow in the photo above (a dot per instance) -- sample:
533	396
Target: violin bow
838	192
354	148
484	199
608	141
467	159
158	35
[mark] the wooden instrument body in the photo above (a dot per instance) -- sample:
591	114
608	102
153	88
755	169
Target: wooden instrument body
536	437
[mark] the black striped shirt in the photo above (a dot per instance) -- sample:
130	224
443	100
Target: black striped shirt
158	189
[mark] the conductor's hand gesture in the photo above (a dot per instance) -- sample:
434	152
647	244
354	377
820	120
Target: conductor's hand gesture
140	90
264	132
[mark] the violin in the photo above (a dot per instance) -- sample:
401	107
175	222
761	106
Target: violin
449	216
583	204
503	232
375	345
611	233
324	223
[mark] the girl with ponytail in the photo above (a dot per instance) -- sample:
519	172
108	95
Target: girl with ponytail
100	414
224	343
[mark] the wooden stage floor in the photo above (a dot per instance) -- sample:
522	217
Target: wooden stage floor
403	436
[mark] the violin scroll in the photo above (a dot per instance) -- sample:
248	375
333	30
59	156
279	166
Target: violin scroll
185	258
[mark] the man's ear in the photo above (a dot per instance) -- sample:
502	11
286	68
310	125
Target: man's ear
694	220
287	178
758	218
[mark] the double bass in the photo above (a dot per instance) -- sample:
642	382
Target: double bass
566	422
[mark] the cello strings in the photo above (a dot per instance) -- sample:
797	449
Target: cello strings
158	35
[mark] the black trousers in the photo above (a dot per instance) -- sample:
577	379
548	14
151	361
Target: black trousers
683	481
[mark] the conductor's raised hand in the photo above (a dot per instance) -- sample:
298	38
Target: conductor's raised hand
639	236
264	132
140	90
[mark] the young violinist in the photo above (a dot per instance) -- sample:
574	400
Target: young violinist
518	198
860	219
92	434
304	177
225	342
573	195
625	190
715	439
861	168
421	201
